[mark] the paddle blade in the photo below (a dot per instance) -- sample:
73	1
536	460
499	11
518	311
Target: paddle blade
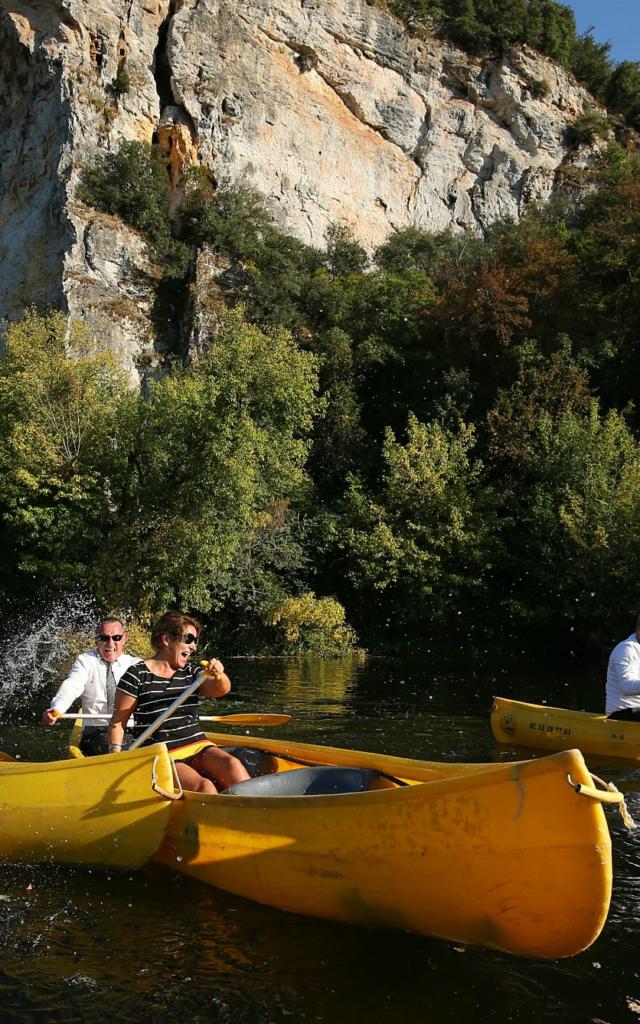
247	719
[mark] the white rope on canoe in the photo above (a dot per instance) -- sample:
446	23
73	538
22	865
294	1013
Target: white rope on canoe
159	789
624	812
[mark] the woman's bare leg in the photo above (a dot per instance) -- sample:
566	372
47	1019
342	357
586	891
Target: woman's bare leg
222	768
192	780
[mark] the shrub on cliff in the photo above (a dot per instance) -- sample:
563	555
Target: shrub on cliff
132	183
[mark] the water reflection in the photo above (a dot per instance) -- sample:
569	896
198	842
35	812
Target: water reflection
328	683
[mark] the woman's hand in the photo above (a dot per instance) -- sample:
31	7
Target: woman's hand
216	682
213	667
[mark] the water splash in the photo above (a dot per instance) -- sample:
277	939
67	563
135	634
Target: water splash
35	648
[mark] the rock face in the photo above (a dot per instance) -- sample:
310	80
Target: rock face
331	109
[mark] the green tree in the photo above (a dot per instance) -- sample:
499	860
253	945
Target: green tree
413	249
220	455
464	26
421	546
551	28
622	92
591	63
233	219
505	19
339	438
344	254
580	522
606	300
306	624
67	417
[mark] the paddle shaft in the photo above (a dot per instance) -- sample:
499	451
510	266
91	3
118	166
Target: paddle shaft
239	719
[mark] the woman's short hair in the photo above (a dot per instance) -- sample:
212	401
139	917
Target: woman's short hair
172	623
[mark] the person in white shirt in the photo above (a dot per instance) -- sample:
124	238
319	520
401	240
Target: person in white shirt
623	678
94	677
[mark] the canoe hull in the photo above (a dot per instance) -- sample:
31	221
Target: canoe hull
536	725
508	857
96	811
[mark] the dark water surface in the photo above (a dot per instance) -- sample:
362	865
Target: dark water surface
151	947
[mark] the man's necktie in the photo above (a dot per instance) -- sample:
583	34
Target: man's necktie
111	687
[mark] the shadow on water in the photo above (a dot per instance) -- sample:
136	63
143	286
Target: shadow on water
152	946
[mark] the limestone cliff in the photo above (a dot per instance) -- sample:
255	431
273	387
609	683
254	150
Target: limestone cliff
331	109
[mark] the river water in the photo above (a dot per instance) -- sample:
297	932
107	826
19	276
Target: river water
151	947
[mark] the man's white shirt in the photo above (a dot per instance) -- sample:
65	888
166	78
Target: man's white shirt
623	675
88	679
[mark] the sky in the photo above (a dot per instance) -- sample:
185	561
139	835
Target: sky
614	21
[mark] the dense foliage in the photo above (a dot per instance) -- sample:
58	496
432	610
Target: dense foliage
441	440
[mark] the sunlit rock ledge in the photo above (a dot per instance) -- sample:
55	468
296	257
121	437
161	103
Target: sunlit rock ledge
332	110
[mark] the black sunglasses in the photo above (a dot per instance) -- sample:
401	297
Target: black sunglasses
103	638
190	638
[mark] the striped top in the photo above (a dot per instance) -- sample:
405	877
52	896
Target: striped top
154	695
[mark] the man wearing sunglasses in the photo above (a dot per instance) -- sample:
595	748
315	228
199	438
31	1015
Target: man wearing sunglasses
94	677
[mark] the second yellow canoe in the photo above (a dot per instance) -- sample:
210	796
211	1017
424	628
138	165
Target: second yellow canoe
537	725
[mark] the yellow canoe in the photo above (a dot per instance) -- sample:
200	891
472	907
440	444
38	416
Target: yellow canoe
536	725
513	856
107	811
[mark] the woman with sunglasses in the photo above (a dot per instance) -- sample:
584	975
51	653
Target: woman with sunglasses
93	677
149	687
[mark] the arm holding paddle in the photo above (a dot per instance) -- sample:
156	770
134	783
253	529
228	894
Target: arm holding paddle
163	690
92	679
216	682
69	691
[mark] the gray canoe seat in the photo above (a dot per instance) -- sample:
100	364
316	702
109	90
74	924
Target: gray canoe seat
314	781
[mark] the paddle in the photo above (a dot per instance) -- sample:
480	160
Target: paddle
239	719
